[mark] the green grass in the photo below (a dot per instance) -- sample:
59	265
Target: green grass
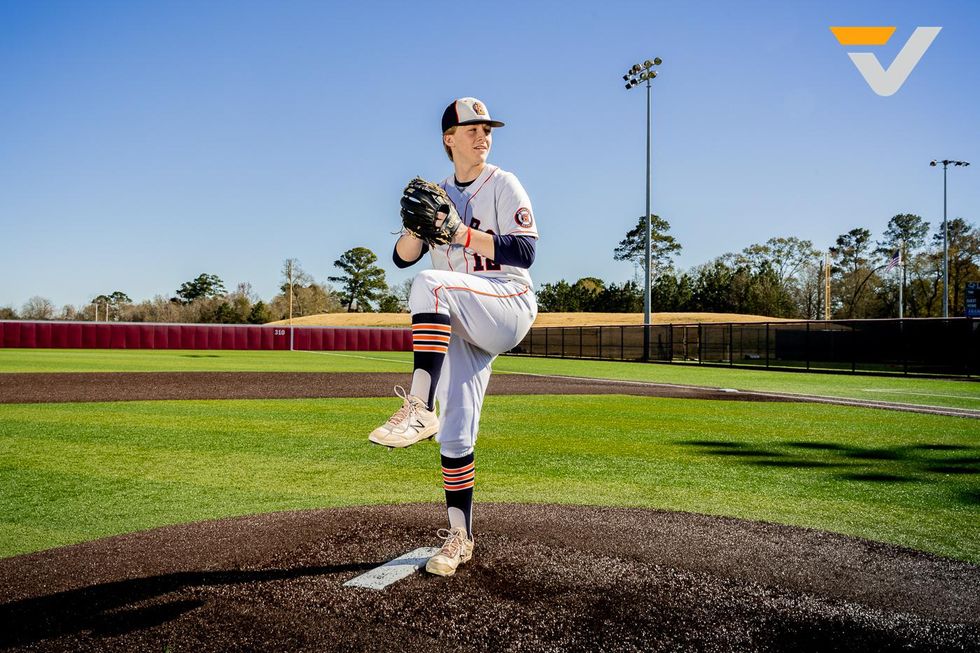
74	472
173	360
928	392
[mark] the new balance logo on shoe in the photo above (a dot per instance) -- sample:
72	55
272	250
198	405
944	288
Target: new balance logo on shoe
409	424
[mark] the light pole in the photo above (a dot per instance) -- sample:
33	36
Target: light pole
946	162
644	73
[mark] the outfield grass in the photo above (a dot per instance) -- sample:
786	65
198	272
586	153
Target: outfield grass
74	472
218	360
928	392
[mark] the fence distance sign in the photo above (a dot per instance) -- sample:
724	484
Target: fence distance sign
972	295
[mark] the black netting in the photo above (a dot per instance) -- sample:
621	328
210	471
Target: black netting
919	346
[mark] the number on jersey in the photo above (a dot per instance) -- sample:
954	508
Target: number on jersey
478	261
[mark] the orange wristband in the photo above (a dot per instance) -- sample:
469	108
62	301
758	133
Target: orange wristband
469	234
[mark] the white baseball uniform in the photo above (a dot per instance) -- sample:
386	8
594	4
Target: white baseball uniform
491	306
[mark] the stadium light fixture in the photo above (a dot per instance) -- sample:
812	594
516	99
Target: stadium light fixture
645	73
946	163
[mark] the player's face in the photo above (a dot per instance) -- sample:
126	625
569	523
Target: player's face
471	143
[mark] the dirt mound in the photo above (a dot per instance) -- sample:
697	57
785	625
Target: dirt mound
542	578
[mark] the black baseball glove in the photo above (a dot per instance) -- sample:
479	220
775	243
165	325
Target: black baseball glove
423	207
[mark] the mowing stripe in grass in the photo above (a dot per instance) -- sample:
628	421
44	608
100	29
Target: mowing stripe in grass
366	358
88	470
175	360
825	385
920	394
840	401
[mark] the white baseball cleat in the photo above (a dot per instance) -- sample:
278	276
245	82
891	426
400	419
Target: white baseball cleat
456	550
410	423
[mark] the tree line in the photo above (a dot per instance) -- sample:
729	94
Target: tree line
784	277
361	286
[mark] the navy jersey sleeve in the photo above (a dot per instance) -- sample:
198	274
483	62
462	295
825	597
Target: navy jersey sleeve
515	250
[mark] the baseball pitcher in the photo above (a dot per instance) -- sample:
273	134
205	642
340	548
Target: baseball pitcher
477	301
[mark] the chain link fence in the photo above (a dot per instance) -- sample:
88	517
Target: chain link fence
931	346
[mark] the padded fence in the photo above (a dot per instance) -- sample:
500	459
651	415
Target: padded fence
133	335
914	346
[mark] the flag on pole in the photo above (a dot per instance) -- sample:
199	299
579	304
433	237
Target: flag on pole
896	259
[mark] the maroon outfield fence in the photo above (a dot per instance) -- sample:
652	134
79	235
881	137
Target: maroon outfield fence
142	335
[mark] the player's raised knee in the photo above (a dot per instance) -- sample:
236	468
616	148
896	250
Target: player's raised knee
423	296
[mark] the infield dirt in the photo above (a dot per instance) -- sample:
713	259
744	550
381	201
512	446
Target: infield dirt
145	386
141	386
543	578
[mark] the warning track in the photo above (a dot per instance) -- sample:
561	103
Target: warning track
142	386
542	578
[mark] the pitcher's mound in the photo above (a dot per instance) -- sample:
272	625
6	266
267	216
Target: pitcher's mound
551	578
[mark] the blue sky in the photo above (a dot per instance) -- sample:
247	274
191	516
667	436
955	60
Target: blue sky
143	143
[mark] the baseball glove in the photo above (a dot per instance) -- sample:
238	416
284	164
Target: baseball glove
422	204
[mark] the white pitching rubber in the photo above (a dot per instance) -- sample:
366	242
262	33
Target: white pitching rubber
394	570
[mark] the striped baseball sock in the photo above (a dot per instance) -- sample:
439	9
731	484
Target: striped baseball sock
430	342
458	476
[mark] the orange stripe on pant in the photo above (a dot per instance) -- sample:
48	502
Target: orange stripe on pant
478	292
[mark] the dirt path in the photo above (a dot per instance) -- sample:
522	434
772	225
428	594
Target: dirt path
139	386
142	386
543	578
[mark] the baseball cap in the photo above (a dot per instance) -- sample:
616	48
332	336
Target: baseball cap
467	111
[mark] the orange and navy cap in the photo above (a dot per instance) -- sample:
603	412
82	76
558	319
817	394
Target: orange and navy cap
467	111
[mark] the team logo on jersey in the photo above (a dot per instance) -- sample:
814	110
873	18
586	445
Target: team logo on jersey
478	109
523	217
